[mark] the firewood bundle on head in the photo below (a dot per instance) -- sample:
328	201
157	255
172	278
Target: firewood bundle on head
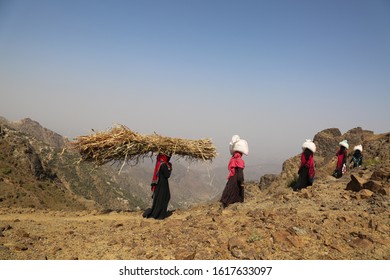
121	144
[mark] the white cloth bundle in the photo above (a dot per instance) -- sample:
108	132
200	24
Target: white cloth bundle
344	143
238	145
358	147
309	144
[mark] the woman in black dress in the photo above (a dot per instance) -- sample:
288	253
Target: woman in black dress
341	159
357	157
160	189
234	190
306	170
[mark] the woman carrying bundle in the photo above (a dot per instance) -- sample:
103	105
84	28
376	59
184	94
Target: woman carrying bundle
357	157
306	170
341	154
160	189
234	190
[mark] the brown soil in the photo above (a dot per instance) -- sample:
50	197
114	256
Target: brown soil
321	222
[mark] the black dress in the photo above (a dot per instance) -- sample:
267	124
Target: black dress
357	158
161	195
234	191
303	179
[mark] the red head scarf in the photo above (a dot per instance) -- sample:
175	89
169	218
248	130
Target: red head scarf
307	159
161	158
235	161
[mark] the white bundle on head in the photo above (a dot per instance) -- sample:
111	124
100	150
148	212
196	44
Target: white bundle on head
344	143
238	145
309	144
358	147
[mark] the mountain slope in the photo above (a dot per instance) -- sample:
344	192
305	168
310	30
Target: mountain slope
35	174
326	221
40	170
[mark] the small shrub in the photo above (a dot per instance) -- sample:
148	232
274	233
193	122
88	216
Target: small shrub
371	161
253	237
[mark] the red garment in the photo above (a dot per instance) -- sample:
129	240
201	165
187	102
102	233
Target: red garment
235	161
161	158
341	158
309	163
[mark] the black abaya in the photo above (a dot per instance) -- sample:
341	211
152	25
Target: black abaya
234	191
303	179
161	195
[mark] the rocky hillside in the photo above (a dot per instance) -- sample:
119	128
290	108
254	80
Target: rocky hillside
346	218
376	152
32	128
38	170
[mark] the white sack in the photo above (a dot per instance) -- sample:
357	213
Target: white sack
344	143
358	147
238	145
309	144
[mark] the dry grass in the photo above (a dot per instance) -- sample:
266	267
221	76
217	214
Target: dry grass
121	144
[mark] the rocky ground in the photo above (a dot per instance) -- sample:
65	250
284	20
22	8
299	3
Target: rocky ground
336	219
325	221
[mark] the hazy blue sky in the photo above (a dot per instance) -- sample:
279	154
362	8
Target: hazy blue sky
274	72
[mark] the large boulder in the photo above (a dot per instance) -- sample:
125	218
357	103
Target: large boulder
356	183
327	142
374	181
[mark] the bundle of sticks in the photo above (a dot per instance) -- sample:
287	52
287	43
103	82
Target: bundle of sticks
121	144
